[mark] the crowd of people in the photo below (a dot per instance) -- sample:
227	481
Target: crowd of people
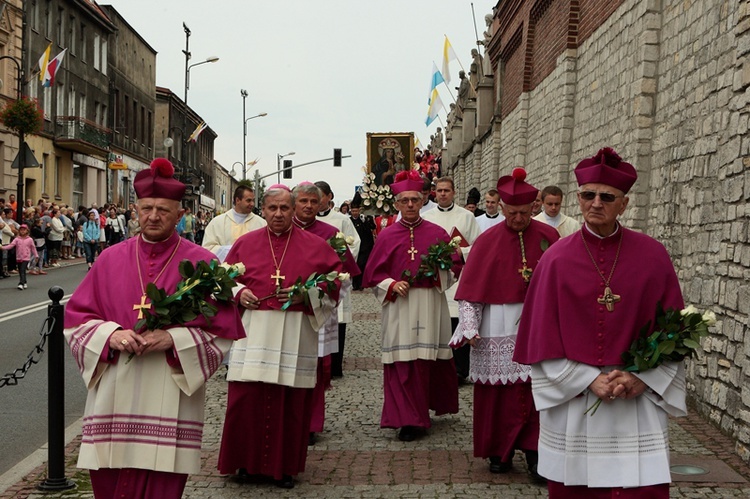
523	310
59	232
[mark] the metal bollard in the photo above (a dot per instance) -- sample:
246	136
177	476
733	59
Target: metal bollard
56	397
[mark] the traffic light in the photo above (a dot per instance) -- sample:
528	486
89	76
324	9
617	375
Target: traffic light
337	157
287	168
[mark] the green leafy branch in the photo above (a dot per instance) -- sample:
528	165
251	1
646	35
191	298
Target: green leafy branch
325	283
676	336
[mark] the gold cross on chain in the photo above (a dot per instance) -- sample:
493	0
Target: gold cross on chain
278	277
143	306
609	299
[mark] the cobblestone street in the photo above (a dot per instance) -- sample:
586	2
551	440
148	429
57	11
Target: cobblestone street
354	457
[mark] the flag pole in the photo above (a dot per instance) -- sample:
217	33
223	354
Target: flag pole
476	31
449	92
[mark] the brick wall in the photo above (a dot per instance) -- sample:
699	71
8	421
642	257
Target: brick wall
667	84
547	38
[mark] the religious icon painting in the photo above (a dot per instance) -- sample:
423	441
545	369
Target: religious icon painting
389	153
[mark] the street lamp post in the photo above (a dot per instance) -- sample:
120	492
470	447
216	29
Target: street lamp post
233	172
244	95
278	165
188	66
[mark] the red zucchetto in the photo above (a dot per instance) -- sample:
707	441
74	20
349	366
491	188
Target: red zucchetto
407	181
606	168
514	190
157	182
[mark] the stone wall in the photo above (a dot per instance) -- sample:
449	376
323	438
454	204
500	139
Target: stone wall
667	84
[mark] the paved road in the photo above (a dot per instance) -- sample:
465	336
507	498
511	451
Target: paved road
354	457
23	408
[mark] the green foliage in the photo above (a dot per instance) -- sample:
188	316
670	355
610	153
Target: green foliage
326	284
676	335
202	286
439	257
22	115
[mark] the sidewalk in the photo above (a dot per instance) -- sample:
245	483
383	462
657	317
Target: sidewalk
353	457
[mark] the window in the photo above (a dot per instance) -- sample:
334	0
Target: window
34	15
104	56
61	28
150	131
82	39
143	125
34	88
60	100
82	106
96	51
104	116
135	121
116	117
45	159
47	107
77	185
48	19
71	101
126	122
97	110
57	175
72	44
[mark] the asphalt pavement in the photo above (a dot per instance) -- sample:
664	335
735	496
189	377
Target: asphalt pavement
354	457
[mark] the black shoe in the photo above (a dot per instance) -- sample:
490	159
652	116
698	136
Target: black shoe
286	482
243	476
535	476
408	433
498	466
311	439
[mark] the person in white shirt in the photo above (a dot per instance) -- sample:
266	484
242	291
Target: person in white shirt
344	224
551	202
456	221
491	215
223	230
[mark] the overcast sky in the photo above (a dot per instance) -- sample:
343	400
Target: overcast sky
326	72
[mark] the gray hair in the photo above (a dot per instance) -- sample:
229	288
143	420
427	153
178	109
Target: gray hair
400	195
272	193
306	188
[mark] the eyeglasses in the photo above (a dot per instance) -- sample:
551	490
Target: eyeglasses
406	201
606	197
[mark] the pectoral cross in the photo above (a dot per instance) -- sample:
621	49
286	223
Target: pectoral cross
143	306
278	278
412	251
609	299
525	273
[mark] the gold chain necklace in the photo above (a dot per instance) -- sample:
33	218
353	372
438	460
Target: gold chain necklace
411	226
524	271
608	298
143	305
278	277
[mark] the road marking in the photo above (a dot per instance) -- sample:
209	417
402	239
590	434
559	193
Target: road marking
30	309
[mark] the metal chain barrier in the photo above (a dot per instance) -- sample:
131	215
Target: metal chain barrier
11	379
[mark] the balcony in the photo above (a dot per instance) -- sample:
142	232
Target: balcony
80	135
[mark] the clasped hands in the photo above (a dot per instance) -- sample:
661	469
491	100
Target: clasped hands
401	288
617	384
127	340
251	302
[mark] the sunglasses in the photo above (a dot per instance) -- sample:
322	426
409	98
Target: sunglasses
606	197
